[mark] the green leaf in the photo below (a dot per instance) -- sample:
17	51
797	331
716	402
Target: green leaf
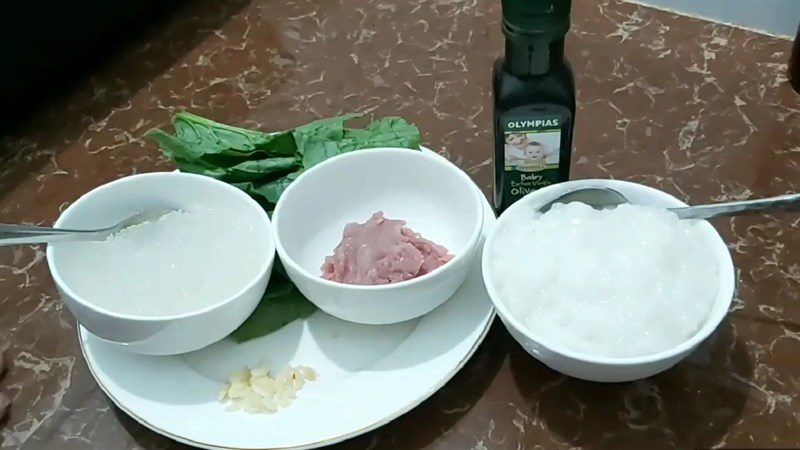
260	169
386	132
272	190
331	128
317	150
279	144
197	137
281	304
267	193
217	137
200	168
326	130
263	166
173	147
325	139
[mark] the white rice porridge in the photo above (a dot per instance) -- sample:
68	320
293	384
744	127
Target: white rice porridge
626	282
185	261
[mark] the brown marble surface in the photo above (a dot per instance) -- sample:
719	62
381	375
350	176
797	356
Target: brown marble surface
700	110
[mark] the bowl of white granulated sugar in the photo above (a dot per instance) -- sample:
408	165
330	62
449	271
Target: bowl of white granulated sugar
607	295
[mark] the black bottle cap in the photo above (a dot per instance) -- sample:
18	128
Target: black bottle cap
535	18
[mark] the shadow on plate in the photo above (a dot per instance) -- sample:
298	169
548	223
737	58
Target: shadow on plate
437	415
353	346
692	405
218	360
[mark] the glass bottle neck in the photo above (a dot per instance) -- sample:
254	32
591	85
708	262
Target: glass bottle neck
533	57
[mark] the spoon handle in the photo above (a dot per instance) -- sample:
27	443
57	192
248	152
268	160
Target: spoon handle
784	202
29	234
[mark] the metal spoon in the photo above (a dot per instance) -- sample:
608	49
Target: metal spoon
596	197
786	202
28	234
603	198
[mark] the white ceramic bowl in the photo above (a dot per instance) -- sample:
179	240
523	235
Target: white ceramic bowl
163	335
605	369
437	200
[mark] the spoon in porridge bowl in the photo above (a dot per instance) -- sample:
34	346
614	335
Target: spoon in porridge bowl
607	198
31	234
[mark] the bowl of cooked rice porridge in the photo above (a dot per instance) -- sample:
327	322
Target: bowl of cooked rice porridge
171	285
607	295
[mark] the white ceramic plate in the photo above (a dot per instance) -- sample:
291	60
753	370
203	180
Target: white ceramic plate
368	375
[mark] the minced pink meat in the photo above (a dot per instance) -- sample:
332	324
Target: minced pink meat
382	251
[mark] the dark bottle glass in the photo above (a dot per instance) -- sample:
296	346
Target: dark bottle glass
534	100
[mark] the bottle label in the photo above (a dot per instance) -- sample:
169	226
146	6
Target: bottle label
532	152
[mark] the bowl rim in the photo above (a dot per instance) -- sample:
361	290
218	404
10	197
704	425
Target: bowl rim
434	158
85	198
717	311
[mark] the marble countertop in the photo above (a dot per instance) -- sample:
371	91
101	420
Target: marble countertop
700	110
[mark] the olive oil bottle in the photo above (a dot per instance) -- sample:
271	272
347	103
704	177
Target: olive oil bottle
534	100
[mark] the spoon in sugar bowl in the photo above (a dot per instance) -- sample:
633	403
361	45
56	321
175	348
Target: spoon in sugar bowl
605	198
29	234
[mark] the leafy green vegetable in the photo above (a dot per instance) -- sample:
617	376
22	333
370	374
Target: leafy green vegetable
318	143
330	129
282	303
263	165
213	137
